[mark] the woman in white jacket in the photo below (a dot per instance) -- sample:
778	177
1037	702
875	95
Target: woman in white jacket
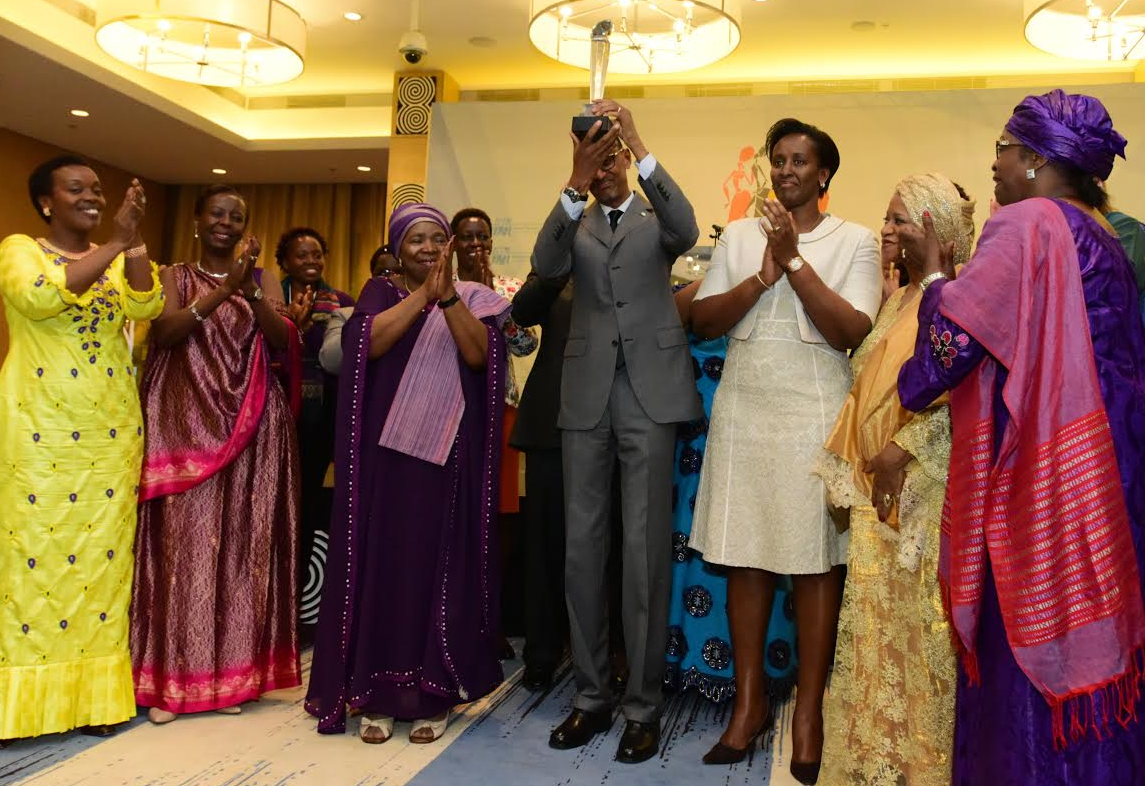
794	290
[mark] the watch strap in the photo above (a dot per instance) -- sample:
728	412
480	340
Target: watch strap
574	195
444	304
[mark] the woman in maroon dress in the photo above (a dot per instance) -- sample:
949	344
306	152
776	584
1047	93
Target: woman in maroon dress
214	607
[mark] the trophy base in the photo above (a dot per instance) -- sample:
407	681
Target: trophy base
582	124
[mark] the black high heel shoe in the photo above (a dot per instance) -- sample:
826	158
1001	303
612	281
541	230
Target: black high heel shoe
726	754
806	772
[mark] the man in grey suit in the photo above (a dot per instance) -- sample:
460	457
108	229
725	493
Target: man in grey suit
627	381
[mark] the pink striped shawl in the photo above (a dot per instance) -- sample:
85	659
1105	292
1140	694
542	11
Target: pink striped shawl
1049	512
428	405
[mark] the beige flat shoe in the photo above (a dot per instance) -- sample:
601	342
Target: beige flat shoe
159	717
376	730
235	710
429	730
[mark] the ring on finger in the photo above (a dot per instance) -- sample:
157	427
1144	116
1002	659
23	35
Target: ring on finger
887	500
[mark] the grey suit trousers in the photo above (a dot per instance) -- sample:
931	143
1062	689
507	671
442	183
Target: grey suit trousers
645	450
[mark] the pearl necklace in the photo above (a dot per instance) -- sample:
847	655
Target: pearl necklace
209	273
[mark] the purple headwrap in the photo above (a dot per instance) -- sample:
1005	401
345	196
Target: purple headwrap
1072	129
406	216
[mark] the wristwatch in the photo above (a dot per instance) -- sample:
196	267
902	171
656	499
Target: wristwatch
574	195
255	296
443	304
795	264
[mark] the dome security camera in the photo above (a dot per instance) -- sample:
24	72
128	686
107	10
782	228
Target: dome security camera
413	47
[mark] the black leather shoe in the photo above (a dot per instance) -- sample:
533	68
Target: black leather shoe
579	727
640	742
537	678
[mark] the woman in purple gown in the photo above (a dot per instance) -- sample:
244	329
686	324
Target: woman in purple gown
409	624
1040	342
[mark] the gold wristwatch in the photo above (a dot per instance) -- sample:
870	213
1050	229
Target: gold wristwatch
795	263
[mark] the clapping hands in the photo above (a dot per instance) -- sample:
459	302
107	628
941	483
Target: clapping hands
439	281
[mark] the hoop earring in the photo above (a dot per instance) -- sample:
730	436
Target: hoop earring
1031	173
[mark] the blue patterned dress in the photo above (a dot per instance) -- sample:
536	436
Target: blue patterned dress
699	645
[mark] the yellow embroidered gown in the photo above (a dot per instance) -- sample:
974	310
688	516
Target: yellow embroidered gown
71	444
889	713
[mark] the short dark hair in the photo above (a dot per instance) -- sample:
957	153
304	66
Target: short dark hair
467	213
292	234
213	191
40	181
825	148
378	253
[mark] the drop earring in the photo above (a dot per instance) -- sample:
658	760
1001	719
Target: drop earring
196	232
1031	173
47	212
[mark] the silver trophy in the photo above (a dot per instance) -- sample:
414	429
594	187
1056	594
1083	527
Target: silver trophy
597	71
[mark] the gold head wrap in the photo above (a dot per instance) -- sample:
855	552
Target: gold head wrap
952	215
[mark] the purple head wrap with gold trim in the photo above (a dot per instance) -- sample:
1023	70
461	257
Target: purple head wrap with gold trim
406	216
1071	129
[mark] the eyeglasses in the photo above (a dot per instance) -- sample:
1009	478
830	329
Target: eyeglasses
1002	144
610	160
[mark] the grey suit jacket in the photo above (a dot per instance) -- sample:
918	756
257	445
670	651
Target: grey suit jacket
622	295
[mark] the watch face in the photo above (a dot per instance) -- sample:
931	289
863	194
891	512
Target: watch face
794	264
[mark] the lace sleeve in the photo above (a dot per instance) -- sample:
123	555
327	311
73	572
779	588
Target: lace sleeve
927	438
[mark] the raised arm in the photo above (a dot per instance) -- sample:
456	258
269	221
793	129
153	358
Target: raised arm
722	302
677	218
552	253
842	325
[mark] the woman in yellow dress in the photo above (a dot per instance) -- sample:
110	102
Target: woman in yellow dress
70	453
889	715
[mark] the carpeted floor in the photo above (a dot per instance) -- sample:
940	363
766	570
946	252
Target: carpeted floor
508	745
500	740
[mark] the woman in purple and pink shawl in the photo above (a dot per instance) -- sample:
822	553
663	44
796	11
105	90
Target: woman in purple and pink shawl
214	604
409	625
1041	344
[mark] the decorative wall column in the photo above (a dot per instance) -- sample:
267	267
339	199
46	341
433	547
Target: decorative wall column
415	93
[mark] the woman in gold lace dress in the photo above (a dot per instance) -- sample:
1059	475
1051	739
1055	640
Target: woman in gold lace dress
889	717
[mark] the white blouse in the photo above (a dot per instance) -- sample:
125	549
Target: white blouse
845	255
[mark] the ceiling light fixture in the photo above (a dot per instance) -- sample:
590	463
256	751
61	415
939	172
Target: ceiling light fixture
663	37
1085	30
363	168
217	171
352	16
207	42
81	112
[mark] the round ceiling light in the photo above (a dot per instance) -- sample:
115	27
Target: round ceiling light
206	42
662	37
1086	30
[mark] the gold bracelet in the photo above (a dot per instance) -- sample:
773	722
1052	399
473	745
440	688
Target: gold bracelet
759	278
139	251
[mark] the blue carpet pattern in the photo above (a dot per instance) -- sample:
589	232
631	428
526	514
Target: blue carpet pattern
508	745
